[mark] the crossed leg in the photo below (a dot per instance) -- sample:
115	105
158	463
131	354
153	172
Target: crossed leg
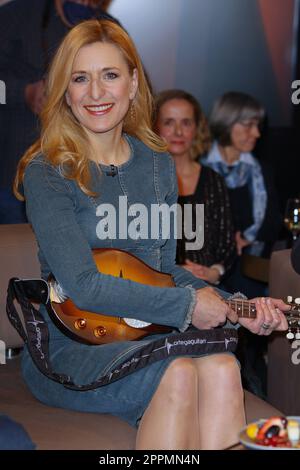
199	404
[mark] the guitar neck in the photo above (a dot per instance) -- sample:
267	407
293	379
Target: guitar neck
243	308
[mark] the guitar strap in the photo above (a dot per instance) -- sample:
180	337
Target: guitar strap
34	331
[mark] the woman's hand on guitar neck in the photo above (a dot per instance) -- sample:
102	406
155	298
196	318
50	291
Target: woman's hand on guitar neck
269	316
210	310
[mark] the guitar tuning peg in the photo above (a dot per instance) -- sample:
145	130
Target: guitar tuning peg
290	334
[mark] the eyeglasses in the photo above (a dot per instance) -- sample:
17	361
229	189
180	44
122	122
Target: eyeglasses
250	123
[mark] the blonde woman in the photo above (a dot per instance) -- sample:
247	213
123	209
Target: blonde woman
96	145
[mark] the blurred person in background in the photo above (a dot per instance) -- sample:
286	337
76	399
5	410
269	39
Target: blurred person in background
182	124
235	125
30	32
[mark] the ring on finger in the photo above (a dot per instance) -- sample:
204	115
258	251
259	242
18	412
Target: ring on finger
265	326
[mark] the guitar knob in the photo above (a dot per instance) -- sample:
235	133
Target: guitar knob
297	301
290	335
297	335
80	324
289	299
100	331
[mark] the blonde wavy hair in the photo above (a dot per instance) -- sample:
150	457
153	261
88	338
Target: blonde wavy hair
202	141
63	140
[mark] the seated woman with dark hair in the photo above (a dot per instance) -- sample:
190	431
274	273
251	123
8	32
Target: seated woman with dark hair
235	125
183	125
235	121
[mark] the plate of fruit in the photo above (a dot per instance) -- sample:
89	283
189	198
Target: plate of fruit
275	433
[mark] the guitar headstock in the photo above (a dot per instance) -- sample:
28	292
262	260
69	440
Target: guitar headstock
293	318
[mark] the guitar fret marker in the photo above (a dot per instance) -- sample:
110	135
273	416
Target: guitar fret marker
243	308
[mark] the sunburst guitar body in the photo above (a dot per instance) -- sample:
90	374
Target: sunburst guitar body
94	328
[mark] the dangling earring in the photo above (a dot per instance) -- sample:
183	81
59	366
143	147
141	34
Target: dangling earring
132	112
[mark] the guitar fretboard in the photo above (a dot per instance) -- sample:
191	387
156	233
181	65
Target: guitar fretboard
243	308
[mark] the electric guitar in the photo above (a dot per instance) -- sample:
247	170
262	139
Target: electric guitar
94	328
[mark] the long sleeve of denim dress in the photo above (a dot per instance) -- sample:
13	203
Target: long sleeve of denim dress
66	224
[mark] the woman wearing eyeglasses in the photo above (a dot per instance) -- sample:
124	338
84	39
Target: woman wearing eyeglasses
235	125
235	122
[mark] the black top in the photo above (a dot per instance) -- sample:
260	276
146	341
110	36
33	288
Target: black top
219	244
241	206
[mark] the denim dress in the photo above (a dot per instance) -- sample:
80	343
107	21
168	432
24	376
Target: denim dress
66	224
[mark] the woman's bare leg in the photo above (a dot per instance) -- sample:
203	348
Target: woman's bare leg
171	419
199	404
221	401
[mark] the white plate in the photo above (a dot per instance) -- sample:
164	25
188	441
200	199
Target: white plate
251	444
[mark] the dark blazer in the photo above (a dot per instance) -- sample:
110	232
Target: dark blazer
27	39
242	209
295	256
272	223
30	32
